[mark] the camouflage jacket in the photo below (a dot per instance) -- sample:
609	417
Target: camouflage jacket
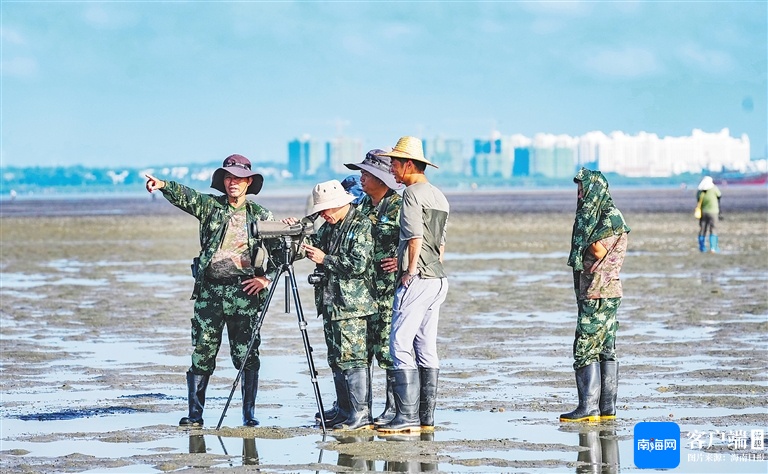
385	221
212	212
348	281
600	279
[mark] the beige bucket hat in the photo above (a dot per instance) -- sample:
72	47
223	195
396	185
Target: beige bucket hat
328	195
409	148
378	165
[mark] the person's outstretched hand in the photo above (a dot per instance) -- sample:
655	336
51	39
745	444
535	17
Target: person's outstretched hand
153	183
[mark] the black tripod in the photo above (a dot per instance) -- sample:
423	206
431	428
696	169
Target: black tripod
288	256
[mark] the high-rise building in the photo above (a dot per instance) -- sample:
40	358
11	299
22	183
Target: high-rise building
305	156
344	150
493	157
553	156
447	153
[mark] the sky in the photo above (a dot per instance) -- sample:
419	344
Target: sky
159	83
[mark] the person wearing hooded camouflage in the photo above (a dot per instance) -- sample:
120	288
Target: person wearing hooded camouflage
598	248
230	277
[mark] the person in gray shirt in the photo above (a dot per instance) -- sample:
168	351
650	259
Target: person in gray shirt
422	286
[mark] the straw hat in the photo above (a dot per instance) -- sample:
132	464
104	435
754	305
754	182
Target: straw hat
328	195
239	166
409	148
378	165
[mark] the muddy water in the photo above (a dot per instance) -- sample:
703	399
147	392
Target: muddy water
95	342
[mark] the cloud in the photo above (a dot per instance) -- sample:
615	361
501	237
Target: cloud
709	60
19	67
629	62
11	36
99	17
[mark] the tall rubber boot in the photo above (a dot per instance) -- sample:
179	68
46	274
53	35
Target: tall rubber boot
338	385
427	397
249	388
713	247
588	386
389	407
196	386
342	399
609	386
702	245
359	417
406	391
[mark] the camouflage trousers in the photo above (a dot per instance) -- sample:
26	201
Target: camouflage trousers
346	340
379	326
216	306
596	327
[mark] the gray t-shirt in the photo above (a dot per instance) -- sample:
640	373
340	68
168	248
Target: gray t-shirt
424	215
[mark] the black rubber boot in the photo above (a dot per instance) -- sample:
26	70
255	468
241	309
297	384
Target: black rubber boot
342	399
588	386
609	385
427	397
331	413
406	392
357	383
249	388
389	408
196	386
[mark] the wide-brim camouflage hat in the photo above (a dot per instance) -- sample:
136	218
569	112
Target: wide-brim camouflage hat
378	165
240	166
409	148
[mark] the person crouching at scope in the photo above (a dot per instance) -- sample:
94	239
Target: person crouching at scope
344	297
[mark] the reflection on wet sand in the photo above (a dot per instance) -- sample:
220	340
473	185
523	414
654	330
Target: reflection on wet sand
250	454
601	455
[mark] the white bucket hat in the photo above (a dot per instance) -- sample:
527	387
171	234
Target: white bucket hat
378	165
328	195
706	183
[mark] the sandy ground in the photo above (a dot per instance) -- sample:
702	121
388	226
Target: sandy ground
692	341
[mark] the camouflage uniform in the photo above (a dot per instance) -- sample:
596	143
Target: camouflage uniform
596	283
220	302
345	296
386	236
599	298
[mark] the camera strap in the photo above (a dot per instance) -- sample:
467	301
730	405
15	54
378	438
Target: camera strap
336	236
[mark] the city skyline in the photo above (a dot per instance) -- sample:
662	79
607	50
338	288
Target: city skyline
154	83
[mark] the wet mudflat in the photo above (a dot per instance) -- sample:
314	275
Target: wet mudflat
95	342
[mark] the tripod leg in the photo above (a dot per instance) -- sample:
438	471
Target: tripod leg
254	334
307	346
